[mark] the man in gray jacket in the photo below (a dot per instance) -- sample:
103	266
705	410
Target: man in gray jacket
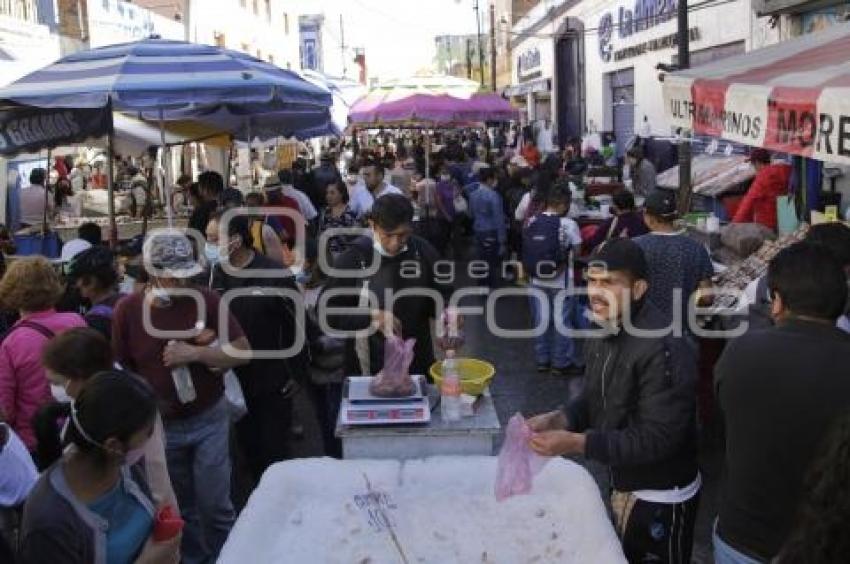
637	412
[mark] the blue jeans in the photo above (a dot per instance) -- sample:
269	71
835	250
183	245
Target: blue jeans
552	347
487	249
198	454
725	554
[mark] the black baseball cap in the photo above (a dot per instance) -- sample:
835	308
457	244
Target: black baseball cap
623	255
662	204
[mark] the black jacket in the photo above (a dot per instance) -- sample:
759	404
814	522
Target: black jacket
271	323
397	274
780	390
638	407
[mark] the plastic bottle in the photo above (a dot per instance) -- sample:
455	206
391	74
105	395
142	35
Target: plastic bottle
450	390
183	383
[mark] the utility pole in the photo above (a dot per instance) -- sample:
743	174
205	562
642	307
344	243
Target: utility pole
469	58
342	46
493	47
683	37
480	49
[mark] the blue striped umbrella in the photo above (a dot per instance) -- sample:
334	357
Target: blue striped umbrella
159	74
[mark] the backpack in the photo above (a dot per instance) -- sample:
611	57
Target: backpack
543	254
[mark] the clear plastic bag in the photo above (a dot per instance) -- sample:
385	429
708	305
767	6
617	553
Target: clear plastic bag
518	464
394	381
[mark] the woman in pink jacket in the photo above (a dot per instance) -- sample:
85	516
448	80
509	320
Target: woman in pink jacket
31	287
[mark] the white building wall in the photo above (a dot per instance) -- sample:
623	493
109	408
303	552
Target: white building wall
28	46
115	21
235	24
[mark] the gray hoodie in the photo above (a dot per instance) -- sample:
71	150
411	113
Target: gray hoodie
59	529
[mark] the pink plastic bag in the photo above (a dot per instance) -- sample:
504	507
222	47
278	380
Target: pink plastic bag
394	381
518	464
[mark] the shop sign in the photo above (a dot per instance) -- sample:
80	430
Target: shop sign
807	124
658	44
645	15
33	130
528	64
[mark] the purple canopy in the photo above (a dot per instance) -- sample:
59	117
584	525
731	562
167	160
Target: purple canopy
430	109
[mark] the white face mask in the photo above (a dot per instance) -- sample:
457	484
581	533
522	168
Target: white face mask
161	294
212	253
127	285
376	244
445	177
132	457
60	393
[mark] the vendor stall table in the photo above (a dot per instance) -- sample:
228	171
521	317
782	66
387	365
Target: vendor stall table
439	511
126	229
469	436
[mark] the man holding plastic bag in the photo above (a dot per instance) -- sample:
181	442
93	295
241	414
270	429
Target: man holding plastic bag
399	295
637	412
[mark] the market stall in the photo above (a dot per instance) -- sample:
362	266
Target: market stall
792	98
434	510
74	99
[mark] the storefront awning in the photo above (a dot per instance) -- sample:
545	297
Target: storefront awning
792	97
538	85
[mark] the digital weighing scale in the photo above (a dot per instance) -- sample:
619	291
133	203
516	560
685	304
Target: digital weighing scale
360	407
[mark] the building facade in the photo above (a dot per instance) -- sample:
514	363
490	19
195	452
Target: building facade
266	29
458	55
29	38
593	66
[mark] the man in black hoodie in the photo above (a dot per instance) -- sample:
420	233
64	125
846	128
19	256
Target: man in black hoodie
637	412
405	263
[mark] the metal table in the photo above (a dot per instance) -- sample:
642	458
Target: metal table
467	437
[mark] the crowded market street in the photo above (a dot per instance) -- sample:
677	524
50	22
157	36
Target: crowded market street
456	281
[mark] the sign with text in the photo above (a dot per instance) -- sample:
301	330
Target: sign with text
811	122
33	129
529	64
626	22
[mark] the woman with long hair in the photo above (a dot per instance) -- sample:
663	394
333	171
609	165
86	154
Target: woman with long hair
820	536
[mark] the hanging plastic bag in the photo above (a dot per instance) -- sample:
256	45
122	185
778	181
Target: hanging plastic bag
235	398
786	215
518	464
394	381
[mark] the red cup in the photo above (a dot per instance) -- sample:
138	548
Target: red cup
167	524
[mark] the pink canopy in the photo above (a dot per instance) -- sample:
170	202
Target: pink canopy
379	109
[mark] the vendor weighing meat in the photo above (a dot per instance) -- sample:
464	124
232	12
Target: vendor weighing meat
406	264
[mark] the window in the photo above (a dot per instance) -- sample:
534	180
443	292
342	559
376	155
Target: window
286	23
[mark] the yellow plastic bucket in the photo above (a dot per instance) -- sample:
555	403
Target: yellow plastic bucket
474	374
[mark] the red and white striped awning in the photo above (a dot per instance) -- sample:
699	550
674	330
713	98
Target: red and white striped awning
792	97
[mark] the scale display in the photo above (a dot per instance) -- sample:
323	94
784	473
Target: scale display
360	407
